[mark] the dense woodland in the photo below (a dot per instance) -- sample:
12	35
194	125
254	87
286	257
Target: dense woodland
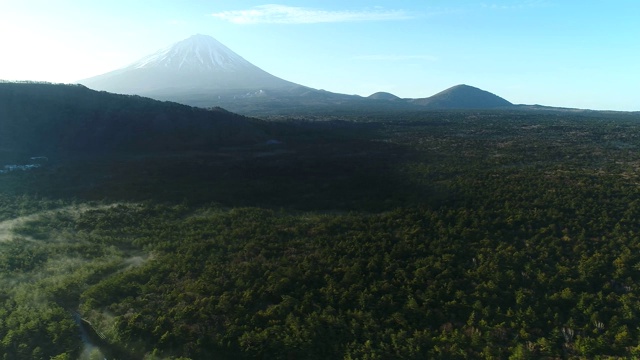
504	234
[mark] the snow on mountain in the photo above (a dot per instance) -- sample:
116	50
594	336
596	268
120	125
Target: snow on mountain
199	52
197	65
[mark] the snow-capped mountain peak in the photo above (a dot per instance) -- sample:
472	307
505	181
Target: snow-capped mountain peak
199	65
197	53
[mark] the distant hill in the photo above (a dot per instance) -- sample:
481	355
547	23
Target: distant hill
381	95
38	118
462	97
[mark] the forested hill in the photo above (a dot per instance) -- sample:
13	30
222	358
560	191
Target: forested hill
39	118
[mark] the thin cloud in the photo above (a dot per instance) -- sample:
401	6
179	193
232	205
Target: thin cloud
396	57
282	14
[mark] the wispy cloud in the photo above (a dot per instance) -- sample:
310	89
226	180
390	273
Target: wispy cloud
282	14
382	57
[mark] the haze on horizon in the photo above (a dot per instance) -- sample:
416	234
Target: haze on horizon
555	53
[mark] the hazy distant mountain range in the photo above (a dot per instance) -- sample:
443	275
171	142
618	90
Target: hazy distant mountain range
200	71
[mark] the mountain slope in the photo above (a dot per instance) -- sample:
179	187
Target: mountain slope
462	97
41	118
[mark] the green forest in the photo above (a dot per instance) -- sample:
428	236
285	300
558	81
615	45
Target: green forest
431	235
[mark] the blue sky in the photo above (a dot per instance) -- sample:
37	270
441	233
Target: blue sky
583	54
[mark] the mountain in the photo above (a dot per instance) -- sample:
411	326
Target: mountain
456	97
38	119
462	97
198	65
202	72
381	95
